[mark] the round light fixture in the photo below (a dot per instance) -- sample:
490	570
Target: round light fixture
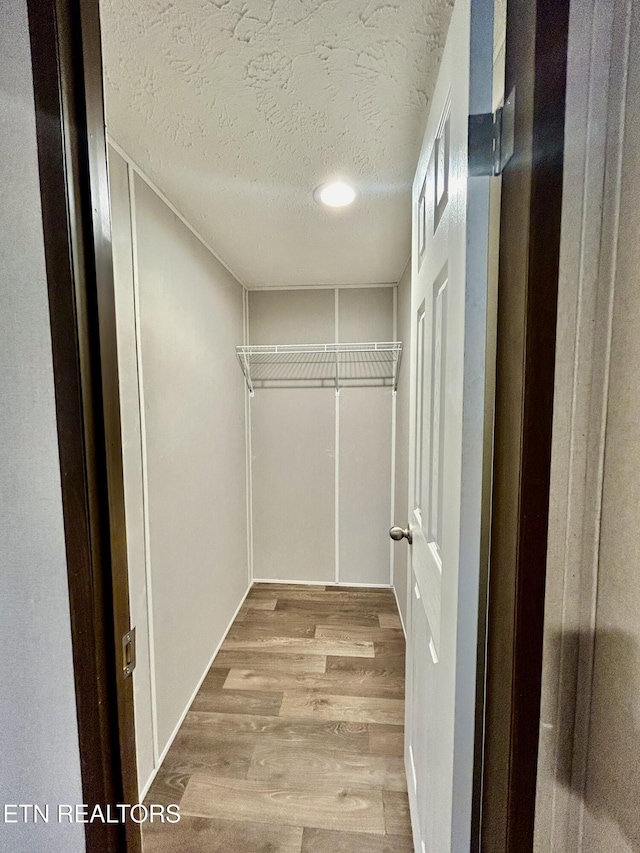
335	194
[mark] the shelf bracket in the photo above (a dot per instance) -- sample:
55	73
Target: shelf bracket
247	374
396	372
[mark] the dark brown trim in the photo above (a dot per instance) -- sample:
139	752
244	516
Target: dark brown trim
536	55
67	81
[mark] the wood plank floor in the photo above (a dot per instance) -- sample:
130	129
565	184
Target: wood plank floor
294	742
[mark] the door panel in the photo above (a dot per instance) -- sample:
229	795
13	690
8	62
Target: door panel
421	763
449	287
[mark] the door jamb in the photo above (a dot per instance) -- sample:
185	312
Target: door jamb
531	208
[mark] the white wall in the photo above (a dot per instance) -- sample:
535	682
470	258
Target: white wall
39	757
321	464
189	316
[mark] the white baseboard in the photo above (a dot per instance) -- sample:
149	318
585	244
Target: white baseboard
404	630
161	758
324	583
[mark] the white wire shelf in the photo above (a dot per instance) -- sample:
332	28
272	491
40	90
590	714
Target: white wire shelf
321	365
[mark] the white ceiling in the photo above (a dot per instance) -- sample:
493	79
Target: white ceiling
238	109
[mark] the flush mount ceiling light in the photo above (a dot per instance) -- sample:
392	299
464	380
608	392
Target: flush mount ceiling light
335	194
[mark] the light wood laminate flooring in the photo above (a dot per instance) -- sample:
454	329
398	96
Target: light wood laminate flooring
294	742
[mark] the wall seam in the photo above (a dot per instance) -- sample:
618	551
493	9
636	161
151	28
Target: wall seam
404	269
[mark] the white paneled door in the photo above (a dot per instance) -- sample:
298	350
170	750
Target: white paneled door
449	287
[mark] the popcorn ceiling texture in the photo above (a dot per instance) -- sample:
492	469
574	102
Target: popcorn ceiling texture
238	109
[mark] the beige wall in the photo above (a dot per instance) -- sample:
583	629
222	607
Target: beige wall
293	464
589	763
365	449
180	316
364	485
291	316
612	818
321	465
190	321
39	757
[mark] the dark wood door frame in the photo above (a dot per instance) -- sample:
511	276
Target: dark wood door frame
67	70
531	208
70	129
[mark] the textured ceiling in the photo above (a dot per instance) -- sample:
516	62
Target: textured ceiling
238	109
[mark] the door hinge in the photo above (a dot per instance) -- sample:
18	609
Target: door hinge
491	139
129	652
